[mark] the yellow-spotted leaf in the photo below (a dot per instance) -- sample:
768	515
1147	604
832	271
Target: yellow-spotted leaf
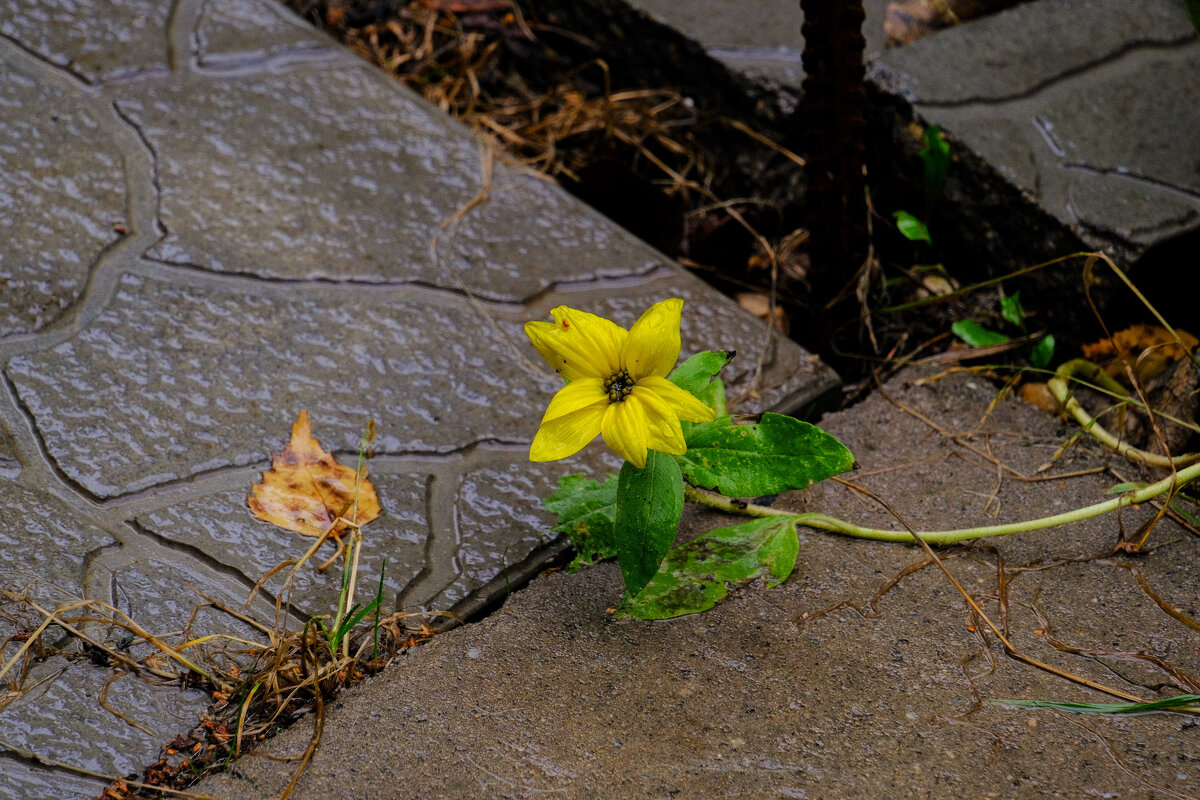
308	492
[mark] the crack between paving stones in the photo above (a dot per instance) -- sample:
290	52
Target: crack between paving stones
181	27
653	273
247	63
197	554
426	570
1108	61
62	69
39	443
222	473
155	184
31	759
1110	172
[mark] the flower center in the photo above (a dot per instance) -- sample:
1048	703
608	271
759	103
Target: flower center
618	386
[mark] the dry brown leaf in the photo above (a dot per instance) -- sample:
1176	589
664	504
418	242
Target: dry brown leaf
308	492
760	306
905	21
1131	344
1038	394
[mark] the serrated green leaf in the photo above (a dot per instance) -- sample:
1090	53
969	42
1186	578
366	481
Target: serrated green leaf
935	156
696	576
1012	310
774	455
1042	353
586	512
695	374
975	334
649	506
911	227
1184	702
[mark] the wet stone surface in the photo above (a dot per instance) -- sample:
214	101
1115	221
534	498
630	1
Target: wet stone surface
235	33
358	197
1092	128
151	391
96	41
61	194
62	720
45	545
1075	103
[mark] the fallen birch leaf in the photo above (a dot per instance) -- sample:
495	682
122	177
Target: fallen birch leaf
306	491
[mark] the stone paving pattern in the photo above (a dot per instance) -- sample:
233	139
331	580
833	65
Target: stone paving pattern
1084	106
215	217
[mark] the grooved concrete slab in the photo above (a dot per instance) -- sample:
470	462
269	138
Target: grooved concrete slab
1094	127
217	218
1081	105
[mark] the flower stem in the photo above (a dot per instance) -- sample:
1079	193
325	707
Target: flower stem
834	525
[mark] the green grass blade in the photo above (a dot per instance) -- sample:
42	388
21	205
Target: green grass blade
1189	703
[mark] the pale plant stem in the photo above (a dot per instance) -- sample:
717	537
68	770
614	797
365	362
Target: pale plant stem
834	525
349	601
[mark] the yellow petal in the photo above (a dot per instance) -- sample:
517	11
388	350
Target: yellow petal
663	432
567	435
578	344
624	429
653	344
683	404
574	396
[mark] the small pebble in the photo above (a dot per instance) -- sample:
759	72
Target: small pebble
473	652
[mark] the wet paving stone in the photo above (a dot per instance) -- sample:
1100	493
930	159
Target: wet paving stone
500	520
45	546
61	195
62	720
223	530
22	779
356	196
1092	129
94	40
236	34
150	392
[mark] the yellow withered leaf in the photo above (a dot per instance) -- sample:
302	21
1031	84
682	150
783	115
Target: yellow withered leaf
306	491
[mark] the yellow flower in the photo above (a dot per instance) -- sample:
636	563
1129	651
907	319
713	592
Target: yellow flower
617	384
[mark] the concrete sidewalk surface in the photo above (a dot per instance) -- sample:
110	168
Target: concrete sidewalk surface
862	676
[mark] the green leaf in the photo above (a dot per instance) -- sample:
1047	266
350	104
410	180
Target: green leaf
911	227
1193	12
698	375
696	576
586	512
649	505
1182	702
1042	352
936	157
695	374
975	334
713	396
1012	310
777	454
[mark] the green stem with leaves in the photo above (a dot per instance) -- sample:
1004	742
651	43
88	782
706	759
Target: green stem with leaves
834	525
